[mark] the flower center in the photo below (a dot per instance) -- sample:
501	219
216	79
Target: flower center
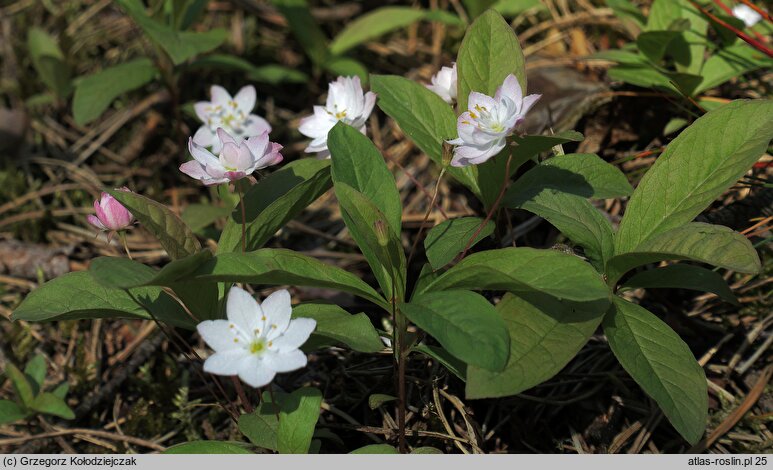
258	346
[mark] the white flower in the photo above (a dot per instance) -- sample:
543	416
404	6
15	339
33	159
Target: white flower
345	102
238	158
258	340
484	128
231	114
746	14
444	83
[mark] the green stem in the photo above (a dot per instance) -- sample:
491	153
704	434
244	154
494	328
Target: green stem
122	236
244	216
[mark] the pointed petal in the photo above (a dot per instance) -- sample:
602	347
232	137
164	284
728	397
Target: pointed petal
204	136
510	89
255	125
296	334
243	310
201	154
201	109
225	137
480	100
220	95
255	372
528	102
225	362
219	335
285	362
277	308
93	220
245	99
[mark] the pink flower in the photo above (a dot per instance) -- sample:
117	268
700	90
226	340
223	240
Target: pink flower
238	158
111	216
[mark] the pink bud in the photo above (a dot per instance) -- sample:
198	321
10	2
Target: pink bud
111	216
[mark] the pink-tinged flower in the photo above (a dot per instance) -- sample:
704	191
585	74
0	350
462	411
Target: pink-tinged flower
444	83
230	113
111	216
484	128
258	340
747	14
345	102
238	158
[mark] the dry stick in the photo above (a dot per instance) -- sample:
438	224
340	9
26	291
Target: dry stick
750	40
491	211
416	182
426	216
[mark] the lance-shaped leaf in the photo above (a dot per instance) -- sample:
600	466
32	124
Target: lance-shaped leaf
576	218
260	426
208	447
545	334
449	238
50	404
11	411
79	296
730	62
683	276
525	270
464	323
424	117
700	164
94	93
336	325
711	244
298	415
378	242
489	53
372	25
661	363
177	239
49	62
359	164
305	28
180	45
274	201
277	267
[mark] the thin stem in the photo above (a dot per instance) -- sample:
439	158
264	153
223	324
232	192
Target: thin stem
426	216
122	236
244	216
491	211
242	395
400	330
273	401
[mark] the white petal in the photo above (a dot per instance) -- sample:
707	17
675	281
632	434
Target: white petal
225	363
255	125
225	137
316	125
480	100
510	88
218	335
370	101
528	102
255	372
201	108
201	154
277	308
204	136
220	95
296	334
286	361
243	310
245	99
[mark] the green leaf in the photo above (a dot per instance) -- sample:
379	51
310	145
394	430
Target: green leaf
524	270
208	447
338	325
697	166
347	66
545	334
513	8
260	426
662	364
377	399
662	14
21	384
277	267
476	7
624	9
730	62
11	412
649	77
584	175
78	295
683	276
488	54
49	62
712	244
464	323
274	201
51	404
372	25
36	370
653	44
177	238
298	415
424	117
61	390
359	164
426	450
201	216
95	92
454	365
378	242
376	449
180	45
447	239
304	28
273	74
